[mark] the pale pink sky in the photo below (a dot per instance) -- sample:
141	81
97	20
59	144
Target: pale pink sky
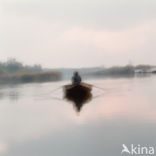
80	33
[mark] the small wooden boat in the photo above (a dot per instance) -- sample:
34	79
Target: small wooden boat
78	93
77	90
75	87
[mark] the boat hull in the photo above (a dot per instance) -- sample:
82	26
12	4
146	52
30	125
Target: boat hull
78	93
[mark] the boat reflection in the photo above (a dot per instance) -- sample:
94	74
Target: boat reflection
78	94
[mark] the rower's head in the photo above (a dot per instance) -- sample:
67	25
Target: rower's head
76	73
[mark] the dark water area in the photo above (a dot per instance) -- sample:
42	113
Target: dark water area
35	121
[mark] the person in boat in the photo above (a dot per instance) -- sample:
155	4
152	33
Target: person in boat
76	78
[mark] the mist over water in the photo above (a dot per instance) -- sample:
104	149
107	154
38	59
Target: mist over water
35	121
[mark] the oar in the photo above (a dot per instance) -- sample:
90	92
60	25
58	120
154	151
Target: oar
99	87
54	90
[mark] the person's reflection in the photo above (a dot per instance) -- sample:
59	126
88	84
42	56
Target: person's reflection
79	99
78	103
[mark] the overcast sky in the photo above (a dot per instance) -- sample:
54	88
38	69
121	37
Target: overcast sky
78	33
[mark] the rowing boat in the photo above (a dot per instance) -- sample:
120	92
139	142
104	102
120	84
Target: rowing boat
77	89
78	93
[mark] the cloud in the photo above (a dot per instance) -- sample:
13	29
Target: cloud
110	32
101	13
3	147
120	41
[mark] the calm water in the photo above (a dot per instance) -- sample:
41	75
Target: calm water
36	122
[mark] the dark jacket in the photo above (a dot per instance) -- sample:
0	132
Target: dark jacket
76	79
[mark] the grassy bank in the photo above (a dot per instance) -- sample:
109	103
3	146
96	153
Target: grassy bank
30	77
13	71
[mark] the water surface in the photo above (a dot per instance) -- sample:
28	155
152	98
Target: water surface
34	121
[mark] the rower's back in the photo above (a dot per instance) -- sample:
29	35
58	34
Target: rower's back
76	78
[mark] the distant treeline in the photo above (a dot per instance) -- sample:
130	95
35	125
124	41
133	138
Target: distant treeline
13	71
12	66
127	70
116	71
